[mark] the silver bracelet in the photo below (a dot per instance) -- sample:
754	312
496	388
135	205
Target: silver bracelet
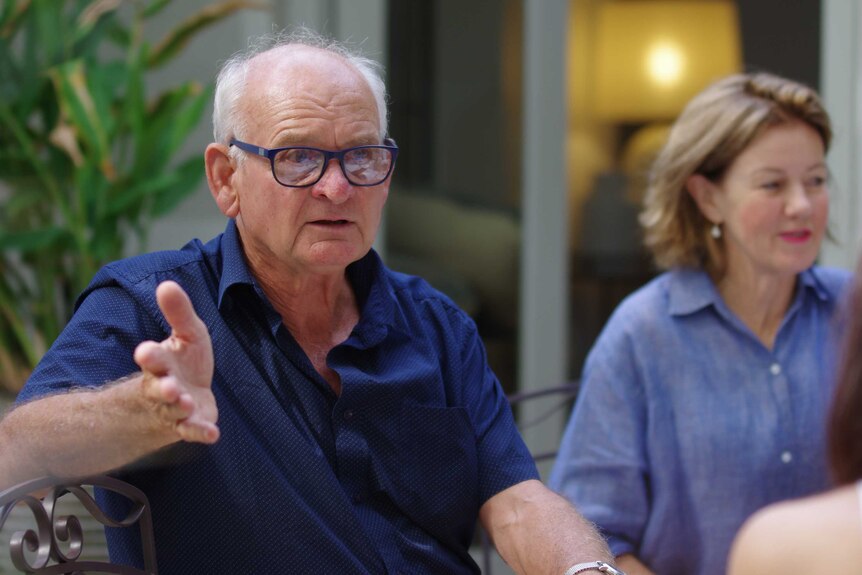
600	566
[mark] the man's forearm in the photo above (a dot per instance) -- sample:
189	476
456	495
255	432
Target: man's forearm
538	532
81	433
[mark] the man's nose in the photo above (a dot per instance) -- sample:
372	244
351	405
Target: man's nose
333	185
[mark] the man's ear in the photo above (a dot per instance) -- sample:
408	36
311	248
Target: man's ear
220	170
703	191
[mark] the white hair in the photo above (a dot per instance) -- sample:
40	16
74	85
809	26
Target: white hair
229	123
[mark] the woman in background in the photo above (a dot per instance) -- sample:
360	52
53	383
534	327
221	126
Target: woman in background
704	397
822	533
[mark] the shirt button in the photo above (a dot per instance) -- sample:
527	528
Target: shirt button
357	498
775	369
347	415
786	457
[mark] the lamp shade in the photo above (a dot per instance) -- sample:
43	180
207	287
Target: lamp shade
652	56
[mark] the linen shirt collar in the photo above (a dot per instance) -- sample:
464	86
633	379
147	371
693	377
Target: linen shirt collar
691	290
374	296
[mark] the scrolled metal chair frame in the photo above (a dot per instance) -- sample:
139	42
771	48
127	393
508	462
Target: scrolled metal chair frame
58	541
565	394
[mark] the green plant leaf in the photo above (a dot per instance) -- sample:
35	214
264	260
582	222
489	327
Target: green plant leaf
89	152
131	108
91	15
13	12
155	146
186	119
175	40
51	26
166	190
117	34
186	178
27	145
92	191
154	8
84	111
32	240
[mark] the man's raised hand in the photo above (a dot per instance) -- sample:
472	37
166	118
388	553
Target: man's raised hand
178	371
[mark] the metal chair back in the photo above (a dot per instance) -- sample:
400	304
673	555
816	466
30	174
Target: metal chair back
56	545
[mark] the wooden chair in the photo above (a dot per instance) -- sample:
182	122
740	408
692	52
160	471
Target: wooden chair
55	546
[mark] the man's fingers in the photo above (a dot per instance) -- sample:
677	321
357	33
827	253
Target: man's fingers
198	431
150	356
163	390
179	312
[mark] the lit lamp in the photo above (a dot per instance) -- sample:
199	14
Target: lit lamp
638	62
652	56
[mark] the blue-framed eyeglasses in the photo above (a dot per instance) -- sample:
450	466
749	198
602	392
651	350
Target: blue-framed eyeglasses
302	166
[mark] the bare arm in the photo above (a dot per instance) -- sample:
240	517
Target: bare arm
538	532
87	432
817	534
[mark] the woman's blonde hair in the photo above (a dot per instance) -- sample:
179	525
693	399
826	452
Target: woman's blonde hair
713	129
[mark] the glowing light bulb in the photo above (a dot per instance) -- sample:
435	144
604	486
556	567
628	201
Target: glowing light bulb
665	62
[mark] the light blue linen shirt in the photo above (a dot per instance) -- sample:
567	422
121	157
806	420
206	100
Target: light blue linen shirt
686	423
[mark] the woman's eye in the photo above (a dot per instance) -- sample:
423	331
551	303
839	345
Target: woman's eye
817	181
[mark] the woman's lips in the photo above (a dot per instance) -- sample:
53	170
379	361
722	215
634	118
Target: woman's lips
797	236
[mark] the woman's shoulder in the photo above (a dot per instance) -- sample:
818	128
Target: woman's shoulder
817	534
646	310
833	280
649	296
664	295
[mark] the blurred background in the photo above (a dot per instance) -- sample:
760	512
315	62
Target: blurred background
526	128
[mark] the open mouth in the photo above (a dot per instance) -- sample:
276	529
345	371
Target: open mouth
796	236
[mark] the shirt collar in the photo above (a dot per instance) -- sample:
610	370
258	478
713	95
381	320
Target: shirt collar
810	279
234	268
374	294
376	299
691	290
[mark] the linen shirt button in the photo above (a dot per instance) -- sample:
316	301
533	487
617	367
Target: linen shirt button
786	457
347	415
775	369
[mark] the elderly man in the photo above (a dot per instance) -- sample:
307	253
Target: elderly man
295	406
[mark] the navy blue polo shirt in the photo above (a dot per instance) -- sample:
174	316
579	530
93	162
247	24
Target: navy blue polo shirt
387	478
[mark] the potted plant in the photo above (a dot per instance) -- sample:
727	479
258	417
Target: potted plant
87	158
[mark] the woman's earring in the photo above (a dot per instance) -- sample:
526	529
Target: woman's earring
715	232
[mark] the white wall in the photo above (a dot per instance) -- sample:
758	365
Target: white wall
841	76
543	340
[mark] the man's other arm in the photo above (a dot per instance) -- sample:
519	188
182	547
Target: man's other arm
538	532
82	433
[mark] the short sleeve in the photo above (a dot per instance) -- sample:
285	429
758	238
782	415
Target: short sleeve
96	346
504	459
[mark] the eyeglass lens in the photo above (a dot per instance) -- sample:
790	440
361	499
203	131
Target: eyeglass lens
363	166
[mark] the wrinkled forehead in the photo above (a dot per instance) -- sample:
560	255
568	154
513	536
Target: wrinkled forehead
305	73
